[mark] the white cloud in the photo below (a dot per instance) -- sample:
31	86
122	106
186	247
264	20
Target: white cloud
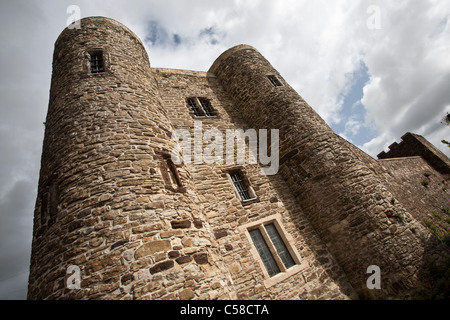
410	77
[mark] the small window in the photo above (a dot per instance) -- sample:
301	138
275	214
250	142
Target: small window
206	107
194	108
241	185
274	80
44	206
201	107
170	175
174	179
97	64
49	204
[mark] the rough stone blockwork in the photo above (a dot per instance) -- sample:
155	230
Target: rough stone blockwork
416	145
113	203
343	197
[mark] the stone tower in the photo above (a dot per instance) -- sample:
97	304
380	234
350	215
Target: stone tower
105	164
338	188
133	224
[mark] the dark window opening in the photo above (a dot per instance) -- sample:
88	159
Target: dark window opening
174	179
44	207
201	107
206	106
49	204
97	64
242	188
274	80
170	174
194	107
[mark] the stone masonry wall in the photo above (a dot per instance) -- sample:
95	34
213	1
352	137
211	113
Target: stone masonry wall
341	196
421	189
139	226
319	276
416	145
104	204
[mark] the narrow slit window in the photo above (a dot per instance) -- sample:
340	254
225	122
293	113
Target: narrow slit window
44	206
170	174
274	80
264	252
49	204
97	64
174	179
240	185
280	246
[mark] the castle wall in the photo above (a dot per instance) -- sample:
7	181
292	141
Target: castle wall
416	145
421	189
105	204
342	197
112	201
318	275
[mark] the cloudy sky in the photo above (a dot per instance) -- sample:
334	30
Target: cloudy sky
373	70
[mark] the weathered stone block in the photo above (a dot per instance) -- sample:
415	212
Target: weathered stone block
174	254
118	244
183	224
165	265
186	294
83	213
198	223
220	234
152	247
183	259
75	225
201	258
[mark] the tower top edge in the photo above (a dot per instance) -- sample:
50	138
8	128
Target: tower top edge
98	20
227	54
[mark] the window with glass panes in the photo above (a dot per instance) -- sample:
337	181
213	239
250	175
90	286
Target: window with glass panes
271	248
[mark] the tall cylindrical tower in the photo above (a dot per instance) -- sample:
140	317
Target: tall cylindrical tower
343	198
115	218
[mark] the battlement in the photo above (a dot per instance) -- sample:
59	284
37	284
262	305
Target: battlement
416	145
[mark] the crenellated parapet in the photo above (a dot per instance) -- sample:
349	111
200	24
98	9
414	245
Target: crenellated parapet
416	145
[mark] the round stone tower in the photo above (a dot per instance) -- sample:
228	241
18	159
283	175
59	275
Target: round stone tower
115	218
340	193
